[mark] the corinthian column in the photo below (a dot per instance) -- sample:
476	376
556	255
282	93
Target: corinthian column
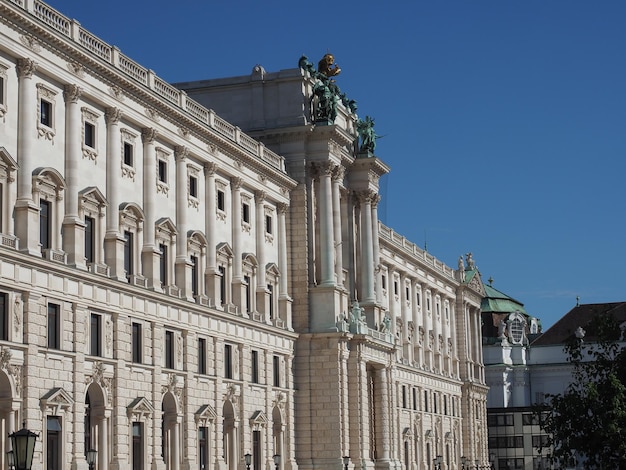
73	228
367	248
26	212
209	228
149	253
237	280
113	241
337	179
183	266
327	250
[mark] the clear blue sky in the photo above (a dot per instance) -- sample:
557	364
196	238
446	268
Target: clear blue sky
504	121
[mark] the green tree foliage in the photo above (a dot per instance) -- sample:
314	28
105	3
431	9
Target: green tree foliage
588	420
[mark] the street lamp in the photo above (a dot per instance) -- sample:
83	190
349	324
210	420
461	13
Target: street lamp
346	461
11	459
248	458
277	460
23	443
91	458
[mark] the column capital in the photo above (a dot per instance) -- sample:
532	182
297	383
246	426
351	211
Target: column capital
236	183
26	67
325	168
282	208
338	173
148	135
260	196
71	93
181	152
210	168
112	115
366	196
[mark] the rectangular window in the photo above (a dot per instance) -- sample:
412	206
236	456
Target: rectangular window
404	396
255	367
2	91
256	450
4	317
90	239
138	457
162	171
246	281
45	221
95	333
245	212
268	224
137	345
228	361
270	290
201	356
384	282
90	135
169	349
54	456
221	203
276	361
194	275
415	399
203	448
45	116
193	186
406	293
395	287
163	261
435	402
222	273
54	330
128	154
426	400
129	251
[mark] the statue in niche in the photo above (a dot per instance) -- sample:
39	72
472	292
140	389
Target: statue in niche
327	66
367	135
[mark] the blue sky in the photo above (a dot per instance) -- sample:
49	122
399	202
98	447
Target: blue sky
504	121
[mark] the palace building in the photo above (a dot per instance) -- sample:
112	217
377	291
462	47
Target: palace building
194	276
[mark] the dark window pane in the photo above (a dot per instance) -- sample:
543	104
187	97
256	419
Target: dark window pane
90	239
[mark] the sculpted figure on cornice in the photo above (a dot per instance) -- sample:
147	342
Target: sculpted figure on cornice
367	136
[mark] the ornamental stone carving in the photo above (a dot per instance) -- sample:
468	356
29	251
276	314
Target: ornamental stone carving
26	67
71	93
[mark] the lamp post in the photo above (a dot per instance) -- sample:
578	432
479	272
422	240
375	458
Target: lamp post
248	458
11	459
23	442
91	458
277	461
346	461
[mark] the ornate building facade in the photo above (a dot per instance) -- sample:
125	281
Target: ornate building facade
176	295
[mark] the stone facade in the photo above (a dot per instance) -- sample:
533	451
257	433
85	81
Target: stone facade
175	295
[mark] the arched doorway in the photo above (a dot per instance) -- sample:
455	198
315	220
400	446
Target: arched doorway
170	437
96	429
229	432
279	447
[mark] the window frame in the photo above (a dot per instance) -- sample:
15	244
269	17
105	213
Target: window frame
54	326
202	356
137	342
46	122
169	359
95	334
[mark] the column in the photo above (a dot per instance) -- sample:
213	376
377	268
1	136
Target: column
175	444
183	265
327	250
337	179
149	253
237	279
73	227
260	288
26	211
284	300
367	248
376	255
113	240
209	224
103	444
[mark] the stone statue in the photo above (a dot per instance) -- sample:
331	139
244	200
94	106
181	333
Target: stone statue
470	262
327	66
386	326
305	64
580	332
366	134
501	328
326	109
